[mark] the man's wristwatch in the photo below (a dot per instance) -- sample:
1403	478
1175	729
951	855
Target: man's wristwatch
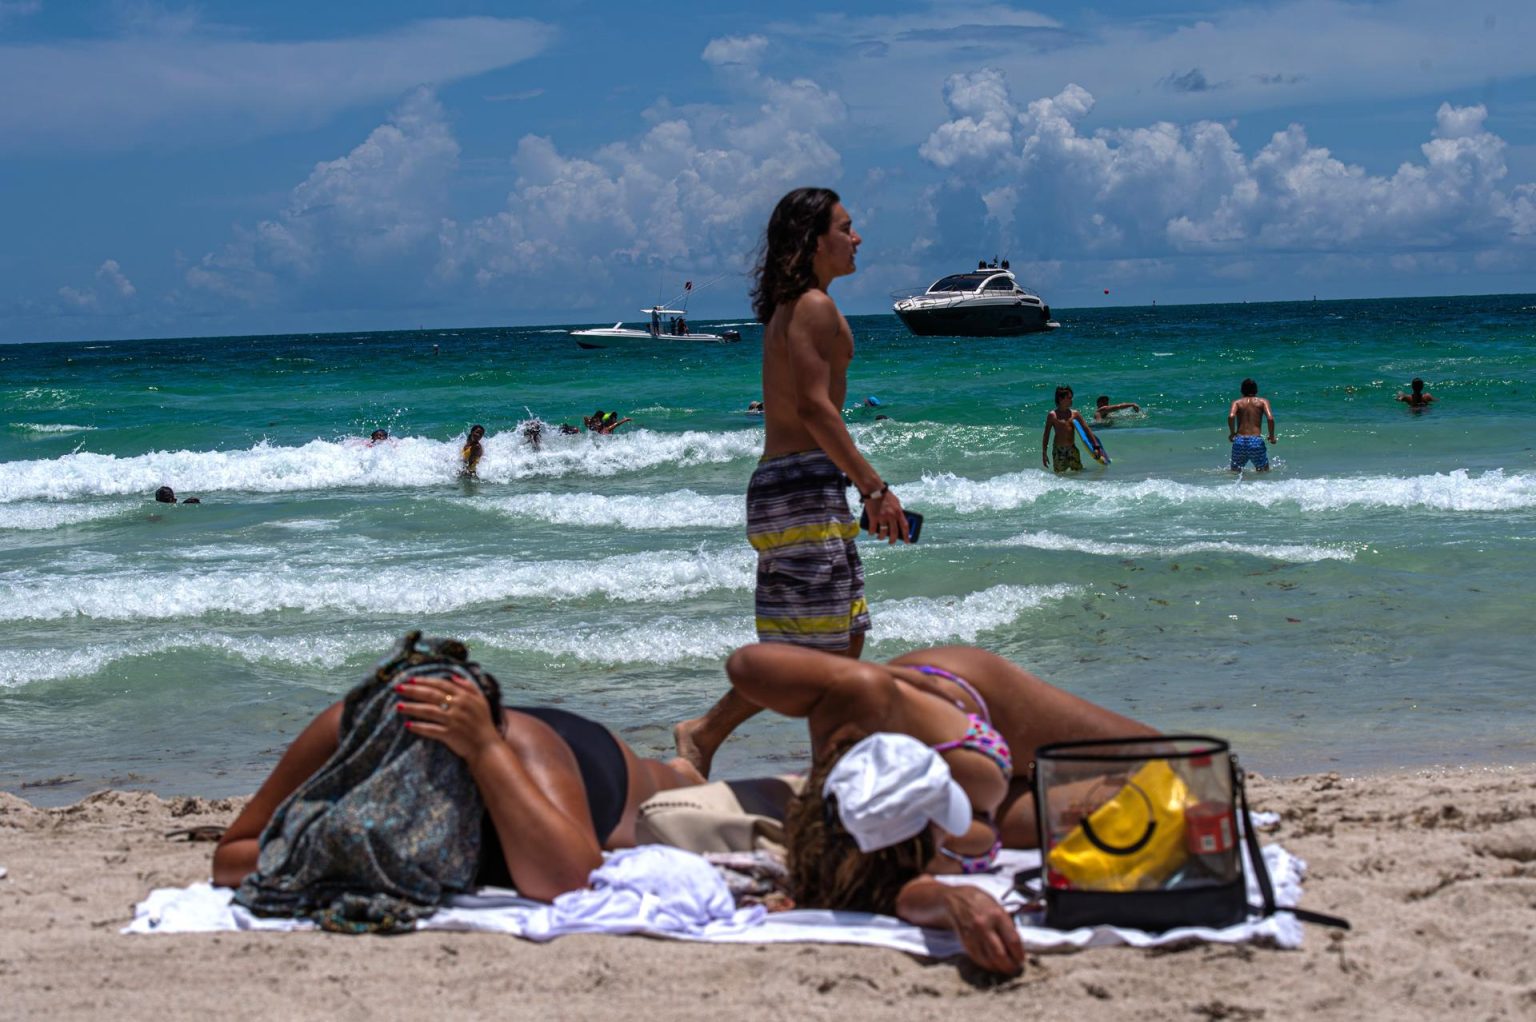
876	494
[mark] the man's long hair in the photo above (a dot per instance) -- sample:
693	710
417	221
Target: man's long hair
784	266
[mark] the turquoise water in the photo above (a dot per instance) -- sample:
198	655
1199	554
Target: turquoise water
1367	603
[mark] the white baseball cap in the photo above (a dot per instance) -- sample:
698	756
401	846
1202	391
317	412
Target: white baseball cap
889	787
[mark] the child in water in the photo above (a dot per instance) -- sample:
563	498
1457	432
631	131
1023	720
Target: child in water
472	452
1063	456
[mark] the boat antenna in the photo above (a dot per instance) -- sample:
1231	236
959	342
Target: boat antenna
690	288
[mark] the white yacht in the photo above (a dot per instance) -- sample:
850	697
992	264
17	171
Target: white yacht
667	326
985	302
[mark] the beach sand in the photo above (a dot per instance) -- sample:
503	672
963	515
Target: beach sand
1435	868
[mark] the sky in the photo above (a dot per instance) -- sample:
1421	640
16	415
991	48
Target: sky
215	169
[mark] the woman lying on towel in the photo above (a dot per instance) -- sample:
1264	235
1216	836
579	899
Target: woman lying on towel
926	759
372	796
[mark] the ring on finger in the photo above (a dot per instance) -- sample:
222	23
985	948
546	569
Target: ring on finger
446	703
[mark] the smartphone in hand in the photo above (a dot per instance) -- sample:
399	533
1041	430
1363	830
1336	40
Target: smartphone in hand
914	523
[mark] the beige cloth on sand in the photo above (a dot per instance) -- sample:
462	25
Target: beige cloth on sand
721	816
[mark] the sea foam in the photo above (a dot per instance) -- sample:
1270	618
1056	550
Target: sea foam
659	577
677	509
21	667
1458	490
400	463
1297	553
38	515
666	639
50	427
670	639
922	620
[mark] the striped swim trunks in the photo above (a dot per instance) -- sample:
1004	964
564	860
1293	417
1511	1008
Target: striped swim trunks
810	581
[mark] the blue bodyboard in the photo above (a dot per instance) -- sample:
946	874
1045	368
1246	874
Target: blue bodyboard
1099	454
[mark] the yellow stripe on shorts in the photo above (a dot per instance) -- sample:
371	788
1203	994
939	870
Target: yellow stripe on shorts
818	533
812	625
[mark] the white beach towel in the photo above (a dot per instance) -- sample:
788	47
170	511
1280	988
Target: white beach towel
664	892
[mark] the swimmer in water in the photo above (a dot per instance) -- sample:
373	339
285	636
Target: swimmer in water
604	422
1103	409
166	495
472	452
1245	423
1419	399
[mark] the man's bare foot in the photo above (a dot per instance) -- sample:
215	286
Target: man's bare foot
687	770
685	737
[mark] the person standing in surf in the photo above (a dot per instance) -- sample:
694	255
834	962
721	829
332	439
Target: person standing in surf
1419	399
472	452
1245	420
810	581
1061	423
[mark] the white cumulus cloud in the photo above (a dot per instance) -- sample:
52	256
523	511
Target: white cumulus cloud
1171	188
378	205
110	290
691	192
735	50
173	79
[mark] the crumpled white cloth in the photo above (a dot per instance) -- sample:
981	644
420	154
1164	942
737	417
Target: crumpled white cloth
651	889
659	891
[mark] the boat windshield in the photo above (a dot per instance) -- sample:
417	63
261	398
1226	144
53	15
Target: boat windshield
959	282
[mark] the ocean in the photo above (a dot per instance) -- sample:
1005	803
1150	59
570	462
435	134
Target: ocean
1366	604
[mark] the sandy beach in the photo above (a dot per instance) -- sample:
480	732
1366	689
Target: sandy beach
1435	868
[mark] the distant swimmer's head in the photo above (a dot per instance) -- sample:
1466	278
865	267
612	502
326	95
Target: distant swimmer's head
786	264
165	495
1250	388
1101	400
379	434
872	401
192	500
754	406
1063	394
1417	385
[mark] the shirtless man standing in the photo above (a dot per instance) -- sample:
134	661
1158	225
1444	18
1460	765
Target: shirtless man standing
810	582
1244	420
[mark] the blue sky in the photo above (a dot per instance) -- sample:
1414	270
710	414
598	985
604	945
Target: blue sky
238	168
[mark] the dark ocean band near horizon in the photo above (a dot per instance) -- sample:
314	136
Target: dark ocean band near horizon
1364	605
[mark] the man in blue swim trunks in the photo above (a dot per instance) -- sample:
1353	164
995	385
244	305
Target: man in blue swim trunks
1245	420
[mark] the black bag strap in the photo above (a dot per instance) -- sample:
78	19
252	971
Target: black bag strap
1261	871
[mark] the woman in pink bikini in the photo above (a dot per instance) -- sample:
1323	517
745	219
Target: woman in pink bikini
926	736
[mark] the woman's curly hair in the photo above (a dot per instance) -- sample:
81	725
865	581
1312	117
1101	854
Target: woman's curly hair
784	265
826	868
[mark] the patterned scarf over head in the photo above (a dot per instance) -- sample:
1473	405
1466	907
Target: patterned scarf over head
390	825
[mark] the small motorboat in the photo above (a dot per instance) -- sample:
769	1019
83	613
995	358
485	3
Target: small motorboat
667	326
